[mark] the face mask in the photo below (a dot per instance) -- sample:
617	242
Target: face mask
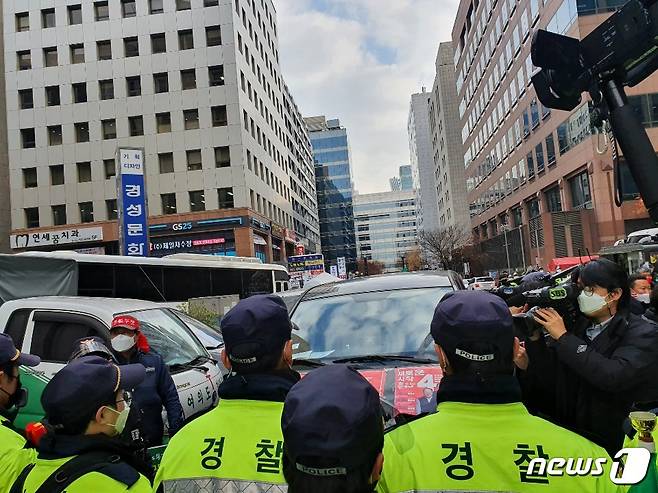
121	421
643	298
123	343
18	399
590	304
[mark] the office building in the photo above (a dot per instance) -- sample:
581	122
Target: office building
195	83
396	184
447	169
404	181
386	227
5	204
534	175
420	151
333	175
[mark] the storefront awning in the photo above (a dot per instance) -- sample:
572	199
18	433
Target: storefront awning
258	240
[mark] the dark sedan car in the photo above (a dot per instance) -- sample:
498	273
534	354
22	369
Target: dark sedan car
379	324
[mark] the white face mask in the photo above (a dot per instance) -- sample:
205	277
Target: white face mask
644	298
590	304
123	343
121	421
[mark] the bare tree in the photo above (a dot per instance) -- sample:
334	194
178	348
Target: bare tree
445	248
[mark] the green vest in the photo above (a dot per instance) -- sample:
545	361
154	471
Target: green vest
484	447
91	482
237	444
13	456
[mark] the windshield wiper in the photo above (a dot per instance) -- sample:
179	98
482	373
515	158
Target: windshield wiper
313	363
189	366
382	358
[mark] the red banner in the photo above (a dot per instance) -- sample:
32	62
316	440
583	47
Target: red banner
410	384
376	378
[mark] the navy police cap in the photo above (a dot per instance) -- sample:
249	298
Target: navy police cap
333	413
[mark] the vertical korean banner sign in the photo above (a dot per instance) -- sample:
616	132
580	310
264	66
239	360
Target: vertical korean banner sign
133	214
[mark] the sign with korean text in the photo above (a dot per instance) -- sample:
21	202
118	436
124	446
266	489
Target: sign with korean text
342	267
133	214
410	384
333	270
56	237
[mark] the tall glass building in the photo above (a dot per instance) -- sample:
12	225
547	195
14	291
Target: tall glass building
333	179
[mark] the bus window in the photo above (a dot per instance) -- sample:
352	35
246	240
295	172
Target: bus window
95	280
257	282
139	282
226	282
182	283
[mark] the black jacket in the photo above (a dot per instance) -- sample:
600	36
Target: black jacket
155	392
590	386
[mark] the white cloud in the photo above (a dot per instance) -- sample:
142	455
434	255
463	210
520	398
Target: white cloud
336	62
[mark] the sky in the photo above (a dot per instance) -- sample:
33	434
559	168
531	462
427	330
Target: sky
360	61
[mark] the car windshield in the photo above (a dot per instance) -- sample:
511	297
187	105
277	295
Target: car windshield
484	279
377	323
208	336
169	336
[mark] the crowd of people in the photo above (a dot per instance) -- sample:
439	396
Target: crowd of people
274	431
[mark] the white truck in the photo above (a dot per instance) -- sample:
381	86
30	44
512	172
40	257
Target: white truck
49	326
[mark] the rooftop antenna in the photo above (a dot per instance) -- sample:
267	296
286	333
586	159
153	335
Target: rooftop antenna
590	257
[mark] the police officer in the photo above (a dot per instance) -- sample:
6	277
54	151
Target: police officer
14	451
333	433
157	390
239	442
86	407
482	438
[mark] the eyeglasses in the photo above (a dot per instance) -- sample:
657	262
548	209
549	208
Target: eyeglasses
127	398
588	290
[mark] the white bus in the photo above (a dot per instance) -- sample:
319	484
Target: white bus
172	278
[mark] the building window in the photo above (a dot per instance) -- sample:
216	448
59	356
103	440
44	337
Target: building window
191	119
216	75
213	36
128	8
188	79
225	198
194	160
133	86
534	110
106	89
553	199
130	47
32	217
75	14
47	18
104	50
25	99
166	161
112	209
581	196
22	22
158	43
57	174
24	60
110	168
136	126
81	132
185	40
156	7
197	201
77	53
183	5
223	157
59	214
101	11
219	118
79	92
50	57
86	212
210	3
84	172
55	135
161	82
531	165
29	177
168	203
539	152
163	122
109	129
533	209
550	150
52	96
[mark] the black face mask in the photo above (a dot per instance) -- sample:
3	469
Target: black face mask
17	400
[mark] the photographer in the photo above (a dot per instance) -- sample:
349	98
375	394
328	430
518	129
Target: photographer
594	371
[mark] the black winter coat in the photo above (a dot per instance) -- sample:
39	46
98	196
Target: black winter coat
590	386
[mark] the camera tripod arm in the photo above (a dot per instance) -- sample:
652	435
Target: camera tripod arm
635	144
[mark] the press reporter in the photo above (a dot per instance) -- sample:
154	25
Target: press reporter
594	371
